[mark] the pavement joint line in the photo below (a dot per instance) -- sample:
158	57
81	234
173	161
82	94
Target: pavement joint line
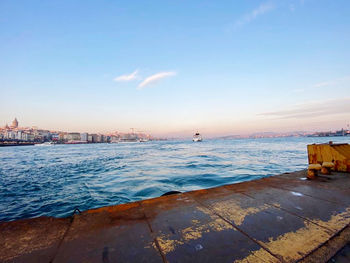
153	235
238	229
292	213
62	239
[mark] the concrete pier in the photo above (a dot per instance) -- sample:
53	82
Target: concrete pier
283	218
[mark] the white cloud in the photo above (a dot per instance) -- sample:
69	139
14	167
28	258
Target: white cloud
129	77
156	77
260	10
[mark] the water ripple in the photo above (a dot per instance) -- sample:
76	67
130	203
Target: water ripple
52	181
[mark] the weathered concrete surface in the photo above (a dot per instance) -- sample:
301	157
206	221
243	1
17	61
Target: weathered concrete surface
32	240
282	218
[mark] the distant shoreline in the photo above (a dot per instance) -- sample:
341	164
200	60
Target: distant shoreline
2	144
15	144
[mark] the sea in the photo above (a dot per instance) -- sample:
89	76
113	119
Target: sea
54	180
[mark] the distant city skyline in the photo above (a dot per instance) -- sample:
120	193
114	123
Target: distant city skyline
174	68
14	126
14	135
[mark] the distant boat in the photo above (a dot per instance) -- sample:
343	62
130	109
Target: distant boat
45	144
197	137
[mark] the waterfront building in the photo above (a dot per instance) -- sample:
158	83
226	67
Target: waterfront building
73	136
94	138
19	135
30	137
114	139
61	136
84	137
55	137
26	136
102	138
42	135
10	135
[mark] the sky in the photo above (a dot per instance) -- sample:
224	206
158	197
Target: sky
171	68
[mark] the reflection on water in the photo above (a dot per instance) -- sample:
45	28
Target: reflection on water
52	181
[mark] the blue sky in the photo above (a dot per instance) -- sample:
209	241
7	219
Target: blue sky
173	67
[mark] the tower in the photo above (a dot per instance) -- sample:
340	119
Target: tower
14	123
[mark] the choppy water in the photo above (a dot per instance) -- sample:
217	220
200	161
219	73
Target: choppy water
53	180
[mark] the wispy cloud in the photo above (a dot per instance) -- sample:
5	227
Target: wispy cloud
313	109
156	77
249	17
127	77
